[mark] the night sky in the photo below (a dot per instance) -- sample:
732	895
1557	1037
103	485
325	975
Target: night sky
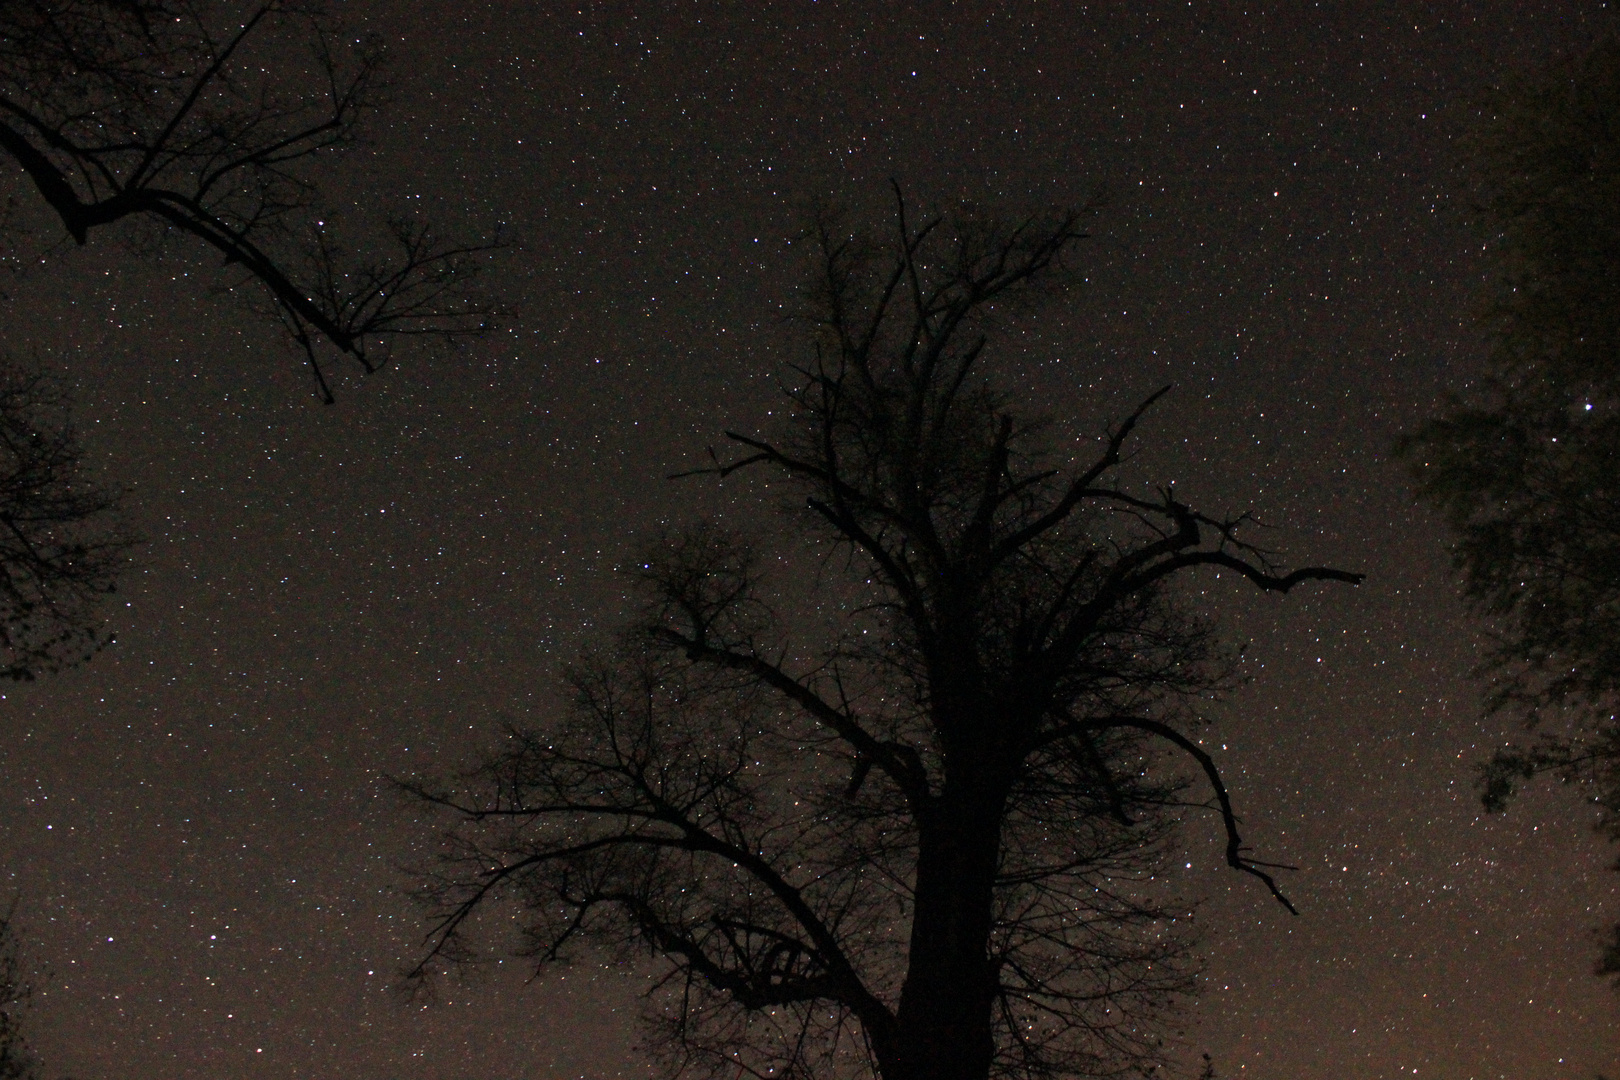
197	823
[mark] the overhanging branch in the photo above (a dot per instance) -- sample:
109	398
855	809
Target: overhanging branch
1234	841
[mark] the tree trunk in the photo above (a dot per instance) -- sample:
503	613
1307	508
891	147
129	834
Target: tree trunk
943	1029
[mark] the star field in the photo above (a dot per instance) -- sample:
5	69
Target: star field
197	822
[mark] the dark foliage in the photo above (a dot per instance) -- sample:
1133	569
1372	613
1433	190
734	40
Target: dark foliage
931	844
207	121
1525	468
61	542
17	1060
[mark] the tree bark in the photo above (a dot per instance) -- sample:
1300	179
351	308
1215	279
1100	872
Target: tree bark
944	1028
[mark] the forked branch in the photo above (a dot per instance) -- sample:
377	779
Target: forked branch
1235	857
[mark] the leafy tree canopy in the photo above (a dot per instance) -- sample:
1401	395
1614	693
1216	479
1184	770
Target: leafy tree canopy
1526	468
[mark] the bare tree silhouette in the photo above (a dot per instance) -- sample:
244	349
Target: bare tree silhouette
201	120
934	845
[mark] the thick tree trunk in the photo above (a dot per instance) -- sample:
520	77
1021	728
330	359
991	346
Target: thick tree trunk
943	1027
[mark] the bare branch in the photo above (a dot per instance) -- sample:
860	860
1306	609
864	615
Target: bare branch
143	112
1234	842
